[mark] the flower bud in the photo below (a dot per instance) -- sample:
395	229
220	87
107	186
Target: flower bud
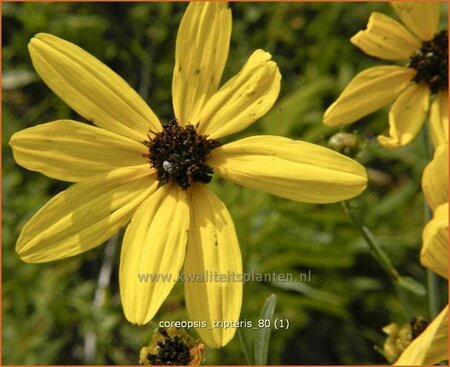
345	143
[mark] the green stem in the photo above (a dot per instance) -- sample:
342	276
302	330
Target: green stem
433	293
245	347
375	248
104	278
382	258
403	297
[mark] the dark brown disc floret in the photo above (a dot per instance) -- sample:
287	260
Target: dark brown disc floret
179	154
418	325
431	63
172	350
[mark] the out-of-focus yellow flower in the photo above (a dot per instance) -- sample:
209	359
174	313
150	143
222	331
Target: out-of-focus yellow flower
132	168
431	346
399	337
423	78
345	143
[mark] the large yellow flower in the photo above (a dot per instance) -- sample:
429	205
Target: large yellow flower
431	346
131	167
424	77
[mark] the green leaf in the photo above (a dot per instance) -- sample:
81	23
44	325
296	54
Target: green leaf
309	291
412	285
261	343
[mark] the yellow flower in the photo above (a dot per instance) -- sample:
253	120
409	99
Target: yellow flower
131	167
435	178
431	346
399	337
424	77
435	242
172	346
435	235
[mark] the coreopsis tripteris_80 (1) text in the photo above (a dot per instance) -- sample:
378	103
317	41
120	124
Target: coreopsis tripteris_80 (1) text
131	169
424	77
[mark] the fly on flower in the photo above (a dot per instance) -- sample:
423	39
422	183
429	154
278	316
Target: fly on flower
131	170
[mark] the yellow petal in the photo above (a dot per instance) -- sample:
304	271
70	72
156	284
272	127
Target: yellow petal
386	38
154	246
422	18
201	53
91	88
439	119
431	346
434	253
406	116
435	178
367	92
85	215
213	253
72	151
289	168
243	99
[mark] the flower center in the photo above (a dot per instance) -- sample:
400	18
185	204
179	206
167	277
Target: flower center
431	62
418	325
179	154
170	351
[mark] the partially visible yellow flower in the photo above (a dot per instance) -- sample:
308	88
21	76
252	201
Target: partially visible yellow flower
431	346
399	337
172	346
131	168
434	253
423	78
435	178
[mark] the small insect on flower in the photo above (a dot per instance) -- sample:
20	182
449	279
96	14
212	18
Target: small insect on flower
168	167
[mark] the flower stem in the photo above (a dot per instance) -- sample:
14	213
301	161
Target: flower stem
382	258
104	278
245	347
375	249
433	293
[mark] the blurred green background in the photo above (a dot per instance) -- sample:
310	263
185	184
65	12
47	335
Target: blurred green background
49	312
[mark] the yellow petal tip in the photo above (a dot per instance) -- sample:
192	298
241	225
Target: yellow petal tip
388	142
